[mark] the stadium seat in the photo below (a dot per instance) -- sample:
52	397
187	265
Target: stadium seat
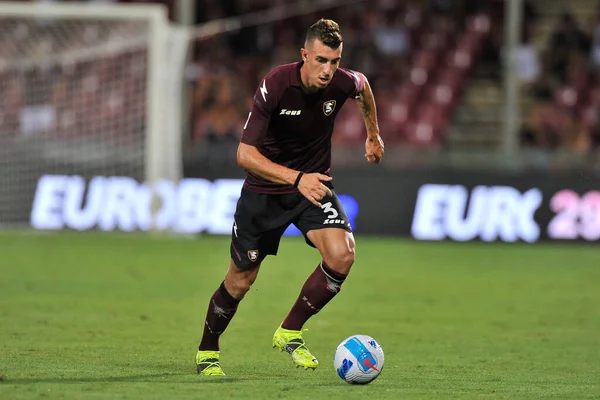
420	133
408	92
480	25
441	95
413	21
432	114
419	77
349	126
435	40
459	58
396	117
426	59
566	97
589	116
453	78
594	96
469	42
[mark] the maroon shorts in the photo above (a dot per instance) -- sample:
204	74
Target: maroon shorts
261	219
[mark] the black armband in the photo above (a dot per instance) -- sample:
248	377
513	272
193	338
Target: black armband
298	179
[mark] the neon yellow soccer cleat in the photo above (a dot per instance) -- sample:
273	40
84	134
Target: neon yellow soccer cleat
208	363
292	342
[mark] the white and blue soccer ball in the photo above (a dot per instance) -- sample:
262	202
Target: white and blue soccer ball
358	359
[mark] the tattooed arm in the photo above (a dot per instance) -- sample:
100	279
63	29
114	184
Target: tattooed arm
374	145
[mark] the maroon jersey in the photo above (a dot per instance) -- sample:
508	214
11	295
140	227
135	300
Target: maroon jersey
293	128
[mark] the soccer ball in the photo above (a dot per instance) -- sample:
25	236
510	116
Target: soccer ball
358	359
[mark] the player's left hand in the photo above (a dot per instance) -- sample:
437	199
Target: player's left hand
374	149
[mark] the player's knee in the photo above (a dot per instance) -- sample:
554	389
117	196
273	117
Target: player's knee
238	282
238	287
341	259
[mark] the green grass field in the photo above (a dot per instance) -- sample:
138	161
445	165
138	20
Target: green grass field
119	317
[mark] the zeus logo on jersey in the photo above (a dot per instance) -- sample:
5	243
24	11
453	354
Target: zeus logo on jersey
285	111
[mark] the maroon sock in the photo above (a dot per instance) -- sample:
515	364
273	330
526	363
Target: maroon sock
320	287
221	309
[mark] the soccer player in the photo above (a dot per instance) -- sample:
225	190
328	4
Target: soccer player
286	152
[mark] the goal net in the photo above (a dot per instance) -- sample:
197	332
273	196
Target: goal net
86	91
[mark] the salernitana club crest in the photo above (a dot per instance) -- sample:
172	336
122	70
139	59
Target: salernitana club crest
328	107
253	255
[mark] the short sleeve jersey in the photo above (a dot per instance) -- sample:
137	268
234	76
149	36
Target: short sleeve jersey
293	128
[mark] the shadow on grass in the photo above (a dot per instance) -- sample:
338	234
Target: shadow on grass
154	378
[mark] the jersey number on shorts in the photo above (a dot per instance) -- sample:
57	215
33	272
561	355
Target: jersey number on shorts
327	208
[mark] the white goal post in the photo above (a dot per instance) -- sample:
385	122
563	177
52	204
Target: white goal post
87	90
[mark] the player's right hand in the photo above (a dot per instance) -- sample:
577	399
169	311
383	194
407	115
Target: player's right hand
311	186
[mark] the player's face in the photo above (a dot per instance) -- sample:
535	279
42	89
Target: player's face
320	63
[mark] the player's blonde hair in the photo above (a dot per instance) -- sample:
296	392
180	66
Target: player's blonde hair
327	31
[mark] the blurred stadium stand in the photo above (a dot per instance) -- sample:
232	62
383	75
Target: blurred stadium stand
419	57
559	81
435	66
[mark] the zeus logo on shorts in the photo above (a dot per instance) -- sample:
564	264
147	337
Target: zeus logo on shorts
334	221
